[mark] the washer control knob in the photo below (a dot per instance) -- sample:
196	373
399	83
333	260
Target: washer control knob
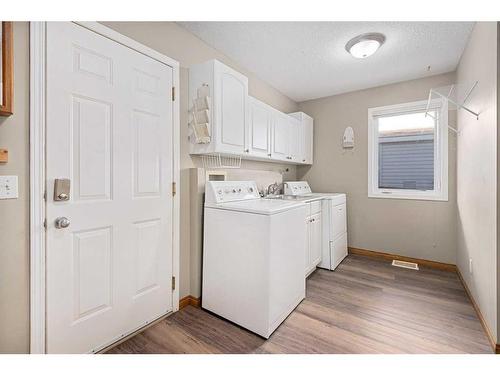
250	189
234	190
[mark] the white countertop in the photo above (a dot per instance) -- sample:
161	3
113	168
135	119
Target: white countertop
341	197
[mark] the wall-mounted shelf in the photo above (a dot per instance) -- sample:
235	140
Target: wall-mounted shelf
200	116
218	161
456	95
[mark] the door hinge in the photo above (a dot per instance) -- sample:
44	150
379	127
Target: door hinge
174	189
173	93
45	195
173	282
45	223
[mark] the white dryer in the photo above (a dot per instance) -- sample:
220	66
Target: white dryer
253	256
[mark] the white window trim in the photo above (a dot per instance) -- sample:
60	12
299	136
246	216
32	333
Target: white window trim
440	192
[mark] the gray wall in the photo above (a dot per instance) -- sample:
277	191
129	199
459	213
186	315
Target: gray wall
420	229
477	172
14	214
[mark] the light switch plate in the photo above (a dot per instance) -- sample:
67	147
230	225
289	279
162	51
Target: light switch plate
8	187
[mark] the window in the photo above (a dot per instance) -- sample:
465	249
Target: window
408	151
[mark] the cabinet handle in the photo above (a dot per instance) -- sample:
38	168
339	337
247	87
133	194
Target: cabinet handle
269	155
247	150
303	160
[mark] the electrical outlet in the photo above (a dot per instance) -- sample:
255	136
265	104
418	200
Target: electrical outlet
8	187
470	265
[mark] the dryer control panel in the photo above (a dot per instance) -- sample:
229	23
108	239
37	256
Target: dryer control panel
230	191
297	188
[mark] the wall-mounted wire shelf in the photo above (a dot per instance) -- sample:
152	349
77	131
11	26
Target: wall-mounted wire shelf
218	161
456	95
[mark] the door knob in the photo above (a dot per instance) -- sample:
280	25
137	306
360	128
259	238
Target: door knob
62	222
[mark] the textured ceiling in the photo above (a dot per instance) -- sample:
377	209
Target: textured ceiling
307	60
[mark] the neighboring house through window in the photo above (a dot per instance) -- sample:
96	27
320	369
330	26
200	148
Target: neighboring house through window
408	151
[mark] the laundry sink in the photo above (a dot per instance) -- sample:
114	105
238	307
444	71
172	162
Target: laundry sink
281	196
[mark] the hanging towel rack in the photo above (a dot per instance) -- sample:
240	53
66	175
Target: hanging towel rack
454	94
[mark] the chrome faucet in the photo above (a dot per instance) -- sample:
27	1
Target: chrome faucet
273	189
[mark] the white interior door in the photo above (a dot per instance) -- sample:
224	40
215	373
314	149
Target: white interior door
109	131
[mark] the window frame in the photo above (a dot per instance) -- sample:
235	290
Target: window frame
440	192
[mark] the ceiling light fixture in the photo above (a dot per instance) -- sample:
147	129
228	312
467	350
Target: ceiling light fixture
365	45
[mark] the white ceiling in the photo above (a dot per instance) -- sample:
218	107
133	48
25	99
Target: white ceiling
308	60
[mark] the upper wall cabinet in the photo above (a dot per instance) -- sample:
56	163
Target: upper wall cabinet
281	136
294	140
226	94
224	119
260	129
306	136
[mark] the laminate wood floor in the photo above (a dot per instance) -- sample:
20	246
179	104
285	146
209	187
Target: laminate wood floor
365	306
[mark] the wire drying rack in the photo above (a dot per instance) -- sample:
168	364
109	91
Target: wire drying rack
219	161
457	96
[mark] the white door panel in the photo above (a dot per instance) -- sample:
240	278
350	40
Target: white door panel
339	220
109	130
338	249
281	131
315	242
294	139
260	128
232	89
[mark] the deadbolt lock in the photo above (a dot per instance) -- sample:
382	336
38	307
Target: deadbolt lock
61	189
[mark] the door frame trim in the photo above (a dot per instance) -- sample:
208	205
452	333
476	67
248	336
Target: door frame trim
37	138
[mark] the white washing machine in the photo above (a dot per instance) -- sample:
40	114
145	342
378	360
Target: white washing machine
334	218
253	256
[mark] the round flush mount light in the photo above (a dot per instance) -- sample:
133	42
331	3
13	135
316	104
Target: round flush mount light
365	45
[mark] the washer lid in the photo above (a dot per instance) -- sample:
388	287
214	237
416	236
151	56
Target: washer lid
258	206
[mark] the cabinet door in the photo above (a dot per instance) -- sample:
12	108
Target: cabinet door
308	247
231	112
339	220
259	129
338	250
294	140
315	240
281	128
307	140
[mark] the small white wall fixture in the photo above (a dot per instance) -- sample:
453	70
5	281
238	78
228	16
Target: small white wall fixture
348	138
